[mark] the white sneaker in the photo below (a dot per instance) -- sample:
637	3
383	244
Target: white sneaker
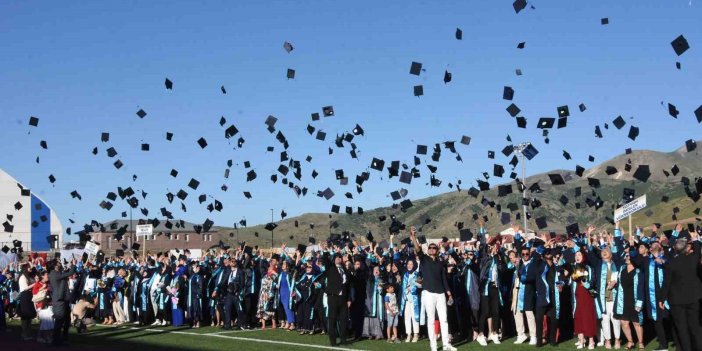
449	348
481	340
416	338
532	341
495	339
409	338
156	323
520	339
601	343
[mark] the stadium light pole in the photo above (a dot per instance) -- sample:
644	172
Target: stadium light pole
272	229
520	152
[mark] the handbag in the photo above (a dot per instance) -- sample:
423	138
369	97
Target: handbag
40	296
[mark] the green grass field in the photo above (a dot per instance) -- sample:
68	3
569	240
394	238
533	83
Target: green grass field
128	338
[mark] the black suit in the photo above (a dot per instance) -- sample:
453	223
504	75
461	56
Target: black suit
231	286
60	299
337	290
682	288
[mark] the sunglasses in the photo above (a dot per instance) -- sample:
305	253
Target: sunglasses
433	247
525	254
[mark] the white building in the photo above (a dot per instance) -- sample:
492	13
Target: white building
26	218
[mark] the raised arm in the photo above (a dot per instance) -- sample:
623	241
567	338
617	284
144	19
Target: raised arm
415	242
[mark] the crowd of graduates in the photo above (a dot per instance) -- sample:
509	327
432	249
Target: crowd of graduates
611	290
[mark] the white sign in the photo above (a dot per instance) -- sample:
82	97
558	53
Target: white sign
91	248
144	230
630	208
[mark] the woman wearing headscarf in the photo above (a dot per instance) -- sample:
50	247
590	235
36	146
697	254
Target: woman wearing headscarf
585	312
410	301
266	300
176	295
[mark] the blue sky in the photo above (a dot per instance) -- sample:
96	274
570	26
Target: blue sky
86	67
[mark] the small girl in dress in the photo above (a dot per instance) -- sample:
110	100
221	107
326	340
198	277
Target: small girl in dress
46	323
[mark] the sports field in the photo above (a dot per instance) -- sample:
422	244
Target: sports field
133	338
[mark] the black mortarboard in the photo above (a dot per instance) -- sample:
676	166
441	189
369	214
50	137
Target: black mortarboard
563	111
642	173
202	142
529	152
406	204
593	182
291	73
118	164
504	190
498	170
610	170
447	77
573	229
563	200
335	208
421	149
582	107
505	218
519	5
698	114
556	179
690	145
377	164
591	158
513	110
491	154
169	136
415	68
604	21
562	122
546	122
673	111
541	222
566	155
508	93
141	113
465	140
680	45
459	34
145	147
520	46
619	122
33	121
111	152
521	122
270	226
418	90
328	111
169	84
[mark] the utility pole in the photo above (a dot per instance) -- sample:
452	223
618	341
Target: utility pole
520	149
272	229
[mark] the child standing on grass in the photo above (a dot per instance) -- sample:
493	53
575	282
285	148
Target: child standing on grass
392	313
46	323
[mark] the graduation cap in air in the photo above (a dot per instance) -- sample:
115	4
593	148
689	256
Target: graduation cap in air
556	179
680	45
141	113
459	34
270	226
291	73
546	122
521	122
418	90
698	114
415	68
519	5
504	190
447	77
604	21
610	170
288	48
507	93
593	182
619	122
563	111
642	173
566	155
33	121
690	145
530	152
513	110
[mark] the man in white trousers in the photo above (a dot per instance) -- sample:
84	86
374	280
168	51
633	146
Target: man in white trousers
435	290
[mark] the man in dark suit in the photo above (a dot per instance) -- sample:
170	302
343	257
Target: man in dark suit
231	287
682	289
60	298
338	296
